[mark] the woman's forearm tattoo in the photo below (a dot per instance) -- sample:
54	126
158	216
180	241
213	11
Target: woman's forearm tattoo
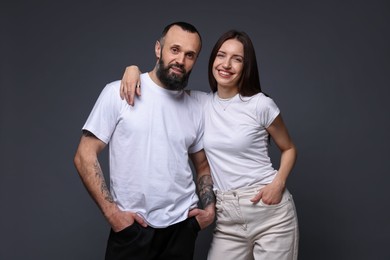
103	186
205	190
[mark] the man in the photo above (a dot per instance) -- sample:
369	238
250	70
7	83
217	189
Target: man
152	204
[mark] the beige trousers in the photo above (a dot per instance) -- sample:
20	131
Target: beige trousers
254	231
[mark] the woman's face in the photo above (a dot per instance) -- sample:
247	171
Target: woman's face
228	64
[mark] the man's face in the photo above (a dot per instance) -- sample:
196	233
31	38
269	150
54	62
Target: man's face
176	57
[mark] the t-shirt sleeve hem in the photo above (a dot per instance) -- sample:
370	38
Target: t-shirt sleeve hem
98	135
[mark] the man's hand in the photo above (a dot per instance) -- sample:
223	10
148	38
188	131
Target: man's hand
123	219
204	217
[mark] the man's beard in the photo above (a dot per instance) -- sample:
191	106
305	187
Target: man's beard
172	81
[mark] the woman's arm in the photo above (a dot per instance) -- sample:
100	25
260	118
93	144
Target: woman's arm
130	84
272	193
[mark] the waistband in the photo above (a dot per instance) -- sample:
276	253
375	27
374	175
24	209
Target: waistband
250	190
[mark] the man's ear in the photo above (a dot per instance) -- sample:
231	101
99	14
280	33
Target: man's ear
157	49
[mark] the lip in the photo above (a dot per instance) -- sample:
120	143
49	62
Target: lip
177	70
224	73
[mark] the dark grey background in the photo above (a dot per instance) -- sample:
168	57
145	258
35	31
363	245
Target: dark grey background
325	63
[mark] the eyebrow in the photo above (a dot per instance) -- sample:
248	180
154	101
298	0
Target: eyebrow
179	46
192	52
234	55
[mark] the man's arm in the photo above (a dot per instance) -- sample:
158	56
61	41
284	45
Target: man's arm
88	167
204	185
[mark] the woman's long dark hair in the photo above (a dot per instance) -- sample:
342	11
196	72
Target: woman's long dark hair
249	83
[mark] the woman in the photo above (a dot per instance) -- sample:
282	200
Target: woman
256	217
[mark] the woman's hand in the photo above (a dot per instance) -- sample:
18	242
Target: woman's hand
270	194
130	84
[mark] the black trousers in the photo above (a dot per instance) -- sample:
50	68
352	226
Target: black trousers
138	243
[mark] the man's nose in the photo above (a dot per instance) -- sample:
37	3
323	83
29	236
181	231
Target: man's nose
180	58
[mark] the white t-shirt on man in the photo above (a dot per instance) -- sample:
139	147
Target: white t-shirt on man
148	149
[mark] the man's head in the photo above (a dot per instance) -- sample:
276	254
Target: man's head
176	52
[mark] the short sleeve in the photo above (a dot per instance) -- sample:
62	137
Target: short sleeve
104	116
267	111
198	142
200	96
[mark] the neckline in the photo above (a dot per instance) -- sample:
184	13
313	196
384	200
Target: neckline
225	99
156	88
224	103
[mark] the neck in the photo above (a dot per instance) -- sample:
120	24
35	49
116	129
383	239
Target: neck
153	76
227	93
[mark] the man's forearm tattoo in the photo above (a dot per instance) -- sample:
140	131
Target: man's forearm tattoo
205	190
103	186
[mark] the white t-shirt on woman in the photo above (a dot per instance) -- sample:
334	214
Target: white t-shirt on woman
235	139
